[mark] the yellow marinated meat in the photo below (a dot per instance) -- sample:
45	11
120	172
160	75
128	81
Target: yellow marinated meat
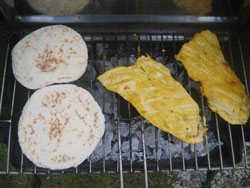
204	61
150	88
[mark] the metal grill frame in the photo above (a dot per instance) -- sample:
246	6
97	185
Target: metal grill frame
105	38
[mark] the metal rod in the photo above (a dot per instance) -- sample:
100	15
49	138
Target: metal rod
218	137
195	157
119	148
176	72
231	51
126	19
21	168
91	87
77	170
205	134
246	82
244	146
247	89
155	128
190	93
156	148
104	103
151	45
243	66
4	75
170	154
129	111
162	47
119	137
117	64
9	136
126	171
231	144
8	151
144	154
183	156
5	121
176	68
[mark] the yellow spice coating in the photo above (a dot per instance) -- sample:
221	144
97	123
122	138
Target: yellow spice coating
150	88
203	59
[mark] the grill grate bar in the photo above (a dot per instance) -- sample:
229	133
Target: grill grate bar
120	144
218	136
196	159
21	168
9	136
162	46
169	148
155	128
130	147
151	45
8	151
119	132
231	144
78	170
157	149
5	121
176	70
126	171
116	64
144	154
229	126
91	87
4	75
183	156
190	93
103	106
129	112
244	146
205	135
142	131
243	66
247	89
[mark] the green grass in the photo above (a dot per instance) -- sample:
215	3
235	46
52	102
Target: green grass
77	181
135	180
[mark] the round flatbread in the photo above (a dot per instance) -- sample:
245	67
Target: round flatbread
52	54
58	7
60	126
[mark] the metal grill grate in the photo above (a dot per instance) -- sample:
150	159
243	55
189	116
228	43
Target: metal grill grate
118	46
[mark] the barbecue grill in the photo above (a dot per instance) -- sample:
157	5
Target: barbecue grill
115	36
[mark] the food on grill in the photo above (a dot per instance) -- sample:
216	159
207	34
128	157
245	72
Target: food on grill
52	54
58	7
150	88
60	126
195	7
203	59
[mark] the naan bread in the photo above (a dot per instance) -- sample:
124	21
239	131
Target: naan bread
203	59
60	126
52	54
158	97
